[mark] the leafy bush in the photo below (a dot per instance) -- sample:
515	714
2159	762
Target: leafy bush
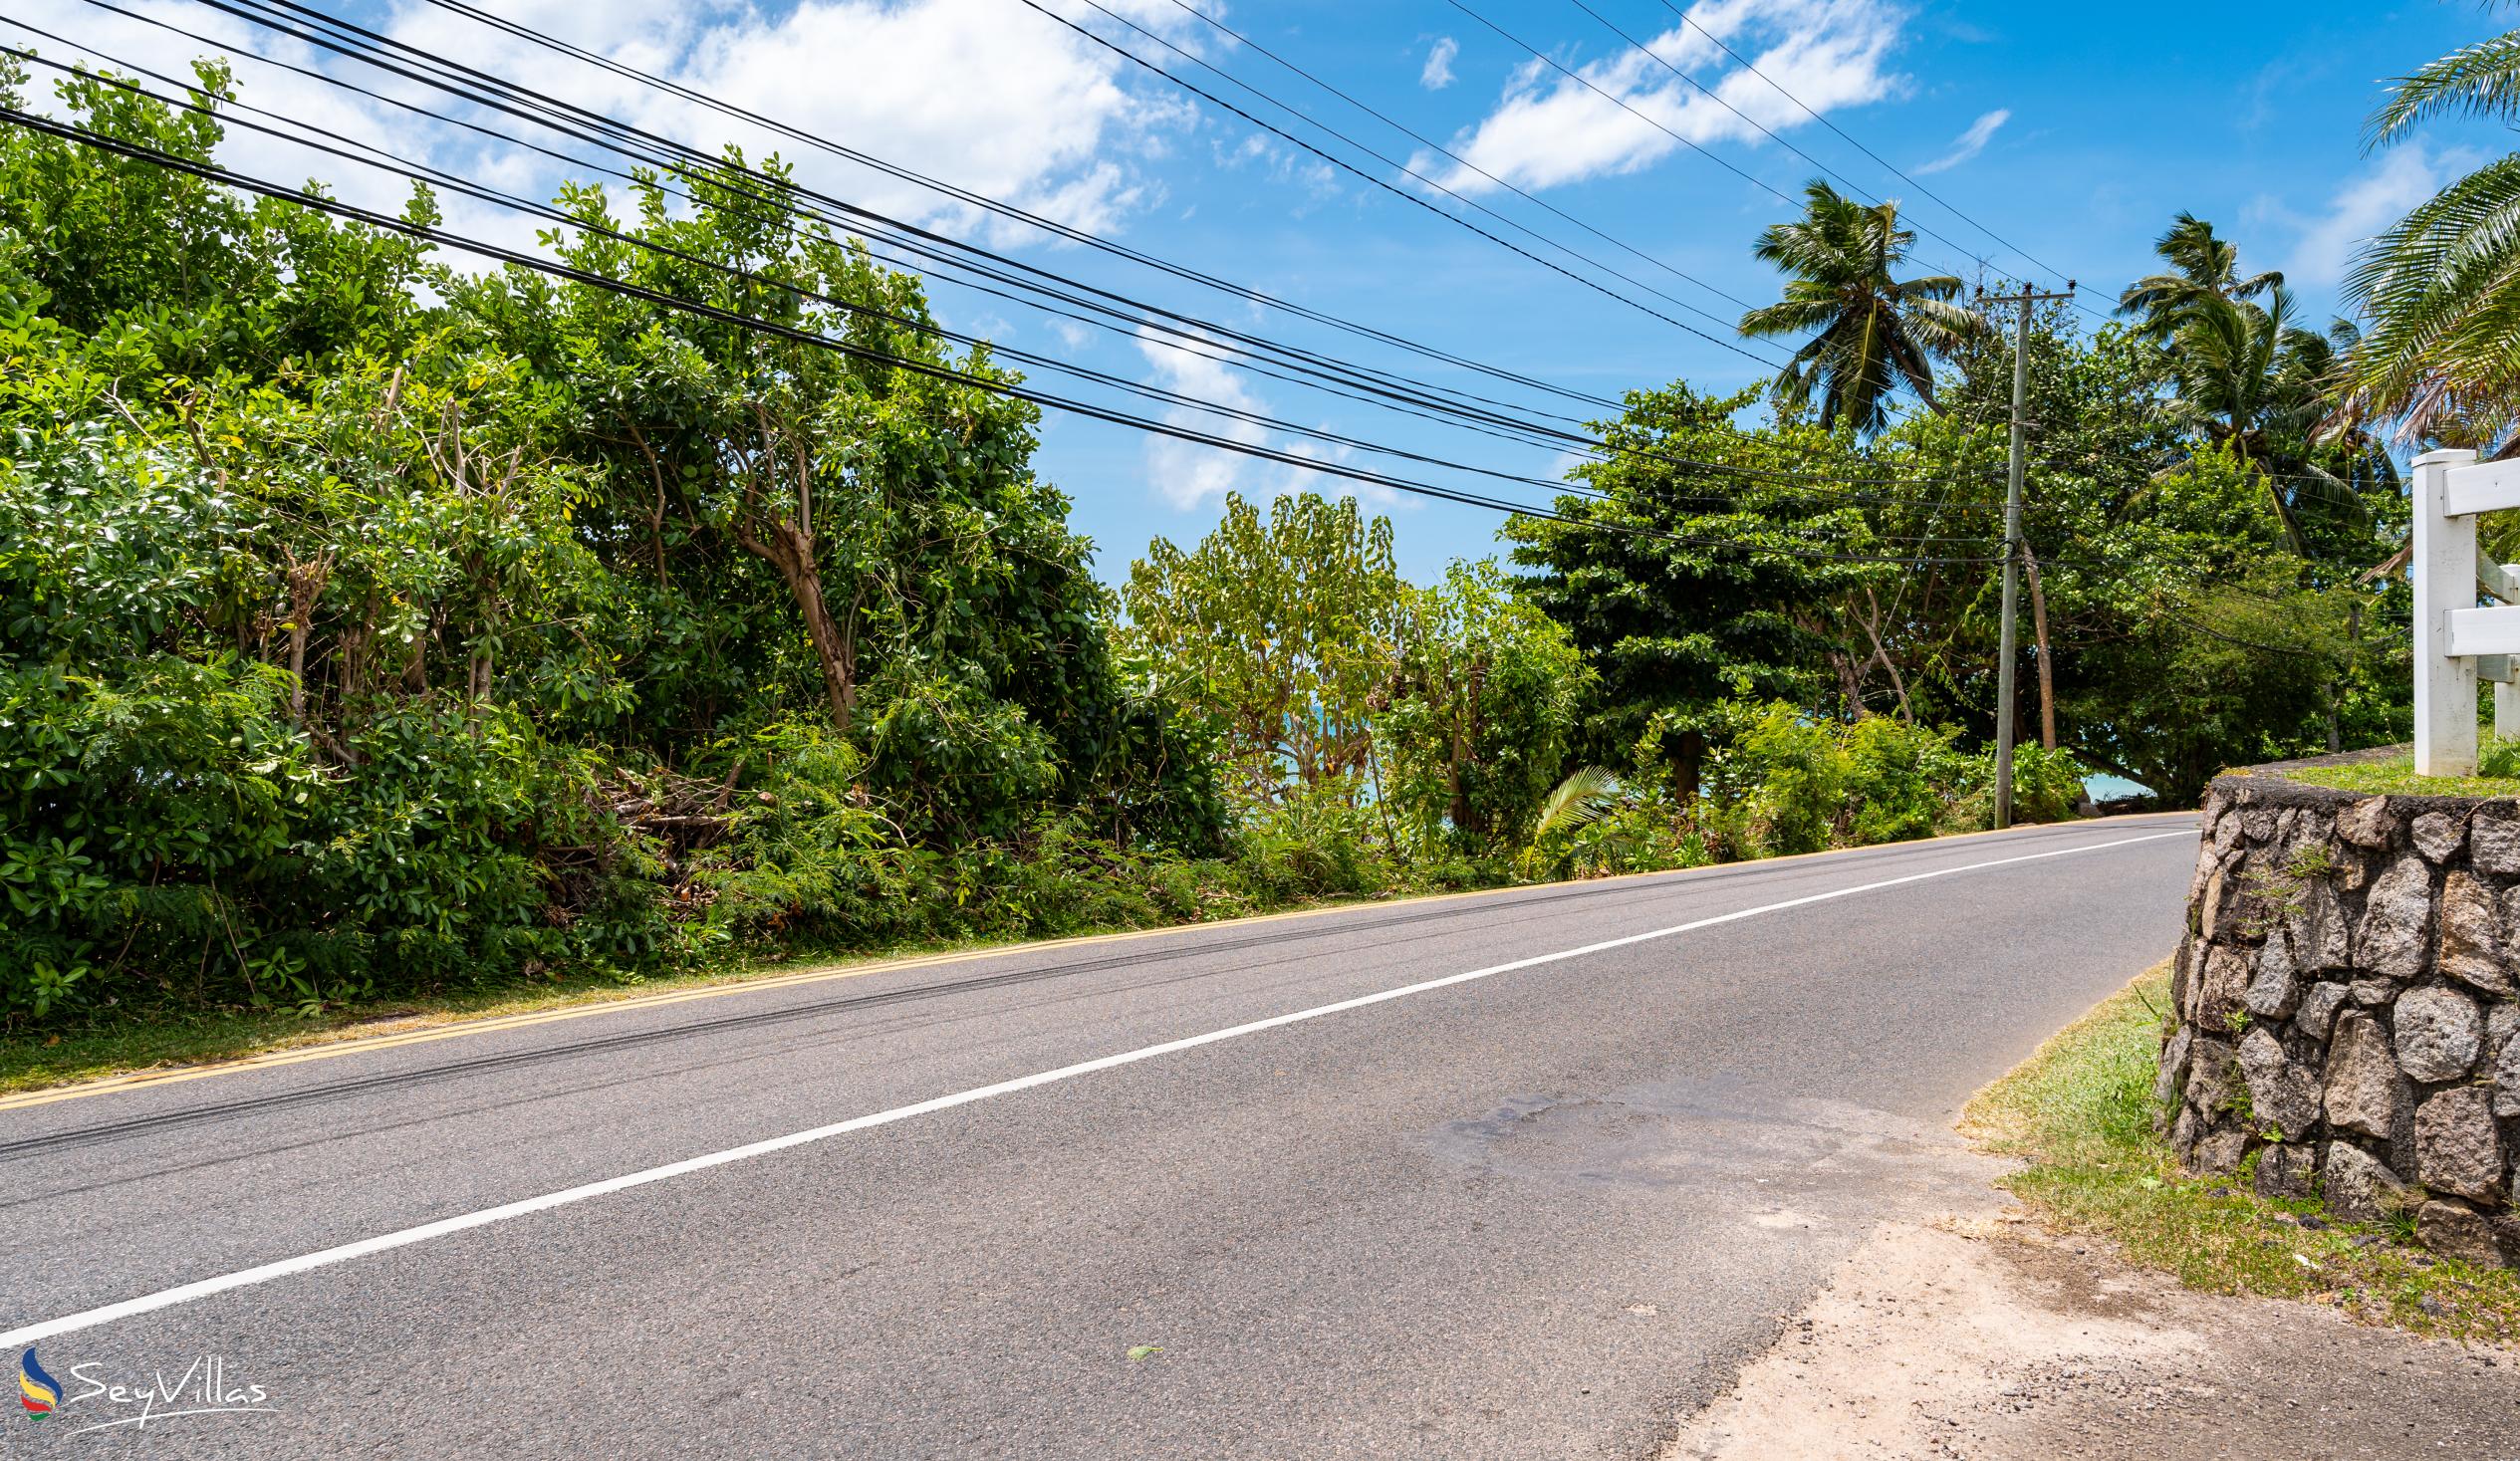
1792	783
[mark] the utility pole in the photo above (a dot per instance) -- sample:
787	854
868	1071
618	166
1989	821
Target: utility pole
2004	677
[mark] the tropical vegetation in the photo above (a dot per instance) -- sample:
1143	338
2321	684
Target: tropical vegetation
373	626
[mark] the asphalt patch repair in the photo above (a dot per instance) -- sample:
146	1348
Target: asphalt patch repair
1985	1338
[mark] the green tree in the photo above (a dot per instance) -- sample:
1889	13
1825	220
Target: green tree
1283	630
1869	330
1685	586
2204	269
1480	709
2252	383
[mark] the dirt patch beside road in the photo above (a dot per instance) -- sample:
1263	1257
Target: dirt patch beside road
1985	1339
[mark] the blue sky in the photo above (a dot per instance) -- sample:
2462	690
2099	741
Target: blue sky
2074	132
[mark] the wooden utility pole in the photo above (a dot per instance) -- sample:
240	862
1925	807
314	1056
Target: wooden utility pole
2005	713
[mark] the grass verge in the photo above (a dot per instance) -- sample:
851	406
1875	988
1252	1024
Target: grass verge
2397	777
2079	1110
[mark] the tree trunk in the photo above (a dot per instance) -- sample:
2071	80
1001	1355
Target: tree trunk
1692	756
2336	692
789	549
1881	652
2039	632
306	585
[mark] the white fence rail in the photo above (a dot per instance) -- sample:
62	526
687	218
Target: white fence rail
2459	642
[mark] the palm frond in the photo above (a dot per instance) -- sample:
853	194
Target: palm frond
1579	800
2482	80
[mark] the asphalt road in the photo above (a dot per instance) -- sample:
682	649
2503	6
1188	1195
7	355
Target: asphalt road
1537	1212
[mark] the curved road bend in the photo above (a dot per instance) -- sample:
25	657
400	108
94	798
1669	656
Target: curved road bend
1515	1175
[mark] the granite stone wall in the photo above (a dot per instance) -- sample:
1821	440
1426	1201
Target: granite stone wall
2345	1007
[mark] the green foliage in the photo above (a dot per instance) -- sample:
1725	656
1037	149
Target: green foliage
356	613
2436	285
1280	633
1788	784
1478	715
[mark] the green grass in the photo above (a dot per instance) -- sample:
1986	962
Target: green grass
2079	1110
2397	777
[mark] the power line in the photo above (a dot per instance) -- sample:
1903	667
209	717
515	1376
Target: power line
378	39
1892	169
1585	82
1399	192
1425	141
1717	98
213	172
783	196
538	108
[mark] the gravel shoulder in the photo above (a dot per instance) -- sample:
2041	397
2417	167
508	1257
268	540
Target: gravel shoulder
1981	1336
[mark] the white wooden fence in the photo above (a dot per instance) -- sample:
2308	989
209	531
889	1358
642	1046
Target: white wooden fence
2457	641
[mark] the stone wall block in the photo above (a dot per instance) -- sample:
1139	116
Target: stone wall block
2395	937
2440	1032
2173	1070
2318	1012
2455	1230
2183	1134
2369	823
2457	1148
2288	1170
2471	935
2220	995
2317	929
2438	836
2221	828
2274	992
2232	910
2221	1150
2360	1187
2282	1094
2363	1090
2257	823
2213	1078
2493	843
2507	1080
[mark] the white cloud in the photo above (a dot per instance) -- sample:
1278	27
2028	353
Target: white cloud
1971	143
1548	129
982	93
1439	72
2379	196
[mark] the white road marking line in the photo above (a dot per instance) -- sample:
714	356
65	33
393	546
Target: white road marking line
324	1257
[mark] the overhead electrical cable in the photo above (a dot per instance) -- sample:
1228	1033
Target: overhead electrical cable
1439	150
417	172
781	197
1892	169
1393	189
363	45
372	218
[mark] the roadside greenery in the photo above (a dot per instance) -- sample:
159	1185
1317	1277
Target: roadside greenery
2497	775
2080	1111
378	633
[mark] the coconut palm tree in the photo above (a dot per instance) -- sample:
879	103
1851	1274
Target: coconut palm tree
2202	267
1870	332
2249	381
2442	287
